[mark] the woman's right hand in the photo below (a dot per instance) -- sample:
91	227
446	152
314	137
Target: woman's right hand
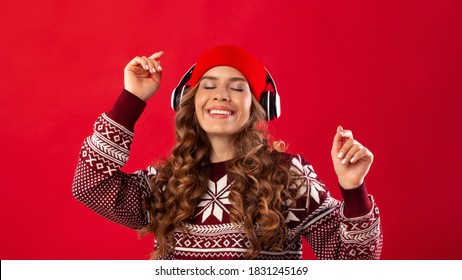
142	75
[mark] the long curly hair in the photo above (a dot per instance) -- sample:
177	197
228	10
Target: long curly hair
257	196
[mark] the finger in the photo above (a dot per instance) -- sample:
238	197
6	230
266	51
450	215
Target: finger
140	61
157	55
147	65
155	65
347	134
347	144
349	157
340	138
363	153
150	65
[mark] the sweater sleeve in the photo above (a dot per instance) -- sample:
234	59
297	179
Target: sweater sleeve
348	229
98	181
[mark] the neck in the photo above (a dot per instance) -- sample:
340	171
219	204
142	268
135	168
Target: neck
221	148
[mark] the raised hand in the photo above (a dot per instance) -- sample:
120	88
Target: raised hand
351	159
142	75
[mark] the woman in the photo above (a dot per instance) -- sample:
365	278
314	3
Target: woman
225	193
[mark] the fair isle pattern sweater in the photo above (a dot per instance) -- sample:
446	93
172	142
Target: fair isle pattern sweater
335	230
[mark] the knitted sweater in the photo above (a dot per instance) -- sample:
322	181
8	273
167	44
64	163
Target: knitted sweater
335	230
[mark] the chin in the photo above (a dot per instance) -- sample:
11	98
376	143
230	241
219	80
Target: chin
220	132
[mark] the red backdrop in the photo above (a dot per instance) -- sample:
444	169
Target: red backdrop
388	70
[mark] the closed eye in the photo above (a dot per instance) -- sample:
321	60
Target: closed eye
238	89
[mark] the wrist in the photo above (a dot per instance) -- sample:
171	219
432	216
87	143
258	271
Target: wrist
143	97
349	185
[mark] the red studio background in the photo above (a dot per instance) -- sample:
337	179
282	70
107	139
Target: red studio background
388	70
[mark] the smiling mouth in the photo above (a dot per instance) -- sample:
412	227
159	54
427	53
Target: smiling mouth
221	112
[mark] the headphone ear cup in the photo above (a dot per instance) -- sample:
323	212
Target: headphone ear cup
267	101
270	100
177	96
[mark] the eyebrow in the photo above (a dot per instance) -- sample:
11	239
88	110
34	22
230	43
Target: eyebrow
232	79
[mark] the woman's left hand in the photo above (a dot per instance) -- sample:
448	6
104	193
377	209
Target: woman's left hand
351	159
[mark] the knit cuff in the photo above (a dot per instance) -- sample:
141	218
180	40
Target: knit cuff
127	109
357	202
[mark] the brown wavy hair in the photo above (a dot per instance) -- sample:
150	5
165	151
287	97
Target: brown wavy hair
260	188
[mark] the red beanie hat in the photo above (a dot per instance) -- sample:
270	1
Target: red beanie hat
235	57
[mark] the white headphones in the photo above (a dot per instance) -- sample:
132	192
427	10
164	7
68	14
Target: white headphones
269	99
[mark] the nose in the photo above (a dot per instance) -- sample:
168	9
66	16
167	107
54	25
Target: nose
221	94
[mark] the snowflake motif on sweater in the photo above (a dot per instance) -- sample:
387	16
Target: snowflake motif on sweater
317	217
215	200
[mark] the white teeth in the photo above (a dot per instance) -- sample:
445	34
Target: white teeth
220	112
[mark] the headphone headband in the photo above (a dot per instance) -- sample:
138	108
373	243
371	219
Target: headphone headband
179	90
